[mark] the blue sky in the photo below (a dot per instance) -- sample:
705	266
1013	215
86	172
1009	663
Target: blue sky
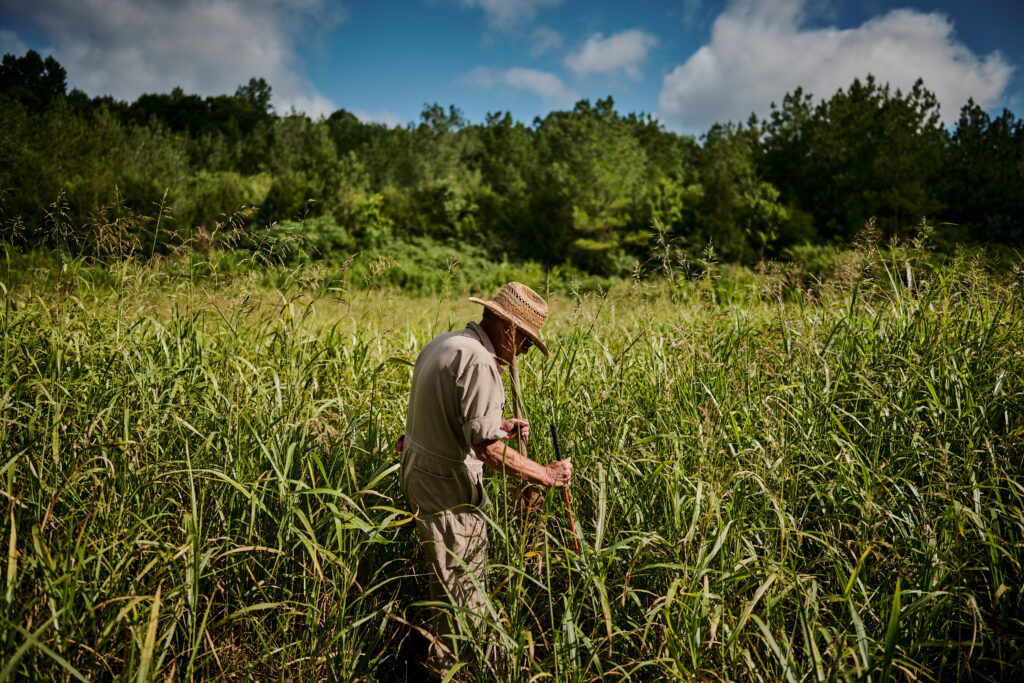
688	62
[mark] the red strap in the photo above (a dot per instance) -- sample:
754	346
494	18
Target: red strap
400	445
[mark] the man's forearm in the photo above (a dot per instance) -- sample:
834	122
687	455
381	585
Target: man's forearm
501	457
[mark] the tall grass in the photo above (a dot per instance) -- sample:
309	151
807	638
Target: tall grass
198	479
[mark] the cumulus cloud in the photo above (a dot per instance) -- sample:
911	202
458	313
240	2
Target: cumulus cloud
128	47
313	104
507	13
544	84
545	39
624	50
761	50
388	118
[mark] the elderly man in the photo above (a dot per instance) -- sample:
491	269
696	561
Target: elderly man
454	427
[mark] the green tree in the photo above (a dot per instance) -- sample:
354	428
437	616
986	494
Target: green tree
443	144
356	207
669	154
31	80
738	212
787	140
867	151
591	188
388	154
506	161
226	132
984	175
305	168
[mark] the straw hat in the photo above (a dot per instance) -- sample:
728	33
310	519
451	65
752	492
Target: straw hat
518	304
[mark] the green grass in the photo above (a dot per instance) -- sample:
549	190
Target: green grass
778	484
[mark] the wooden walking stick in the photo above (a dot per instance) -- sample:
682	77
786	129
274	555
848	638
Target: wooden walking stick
565	489
517	400
526	500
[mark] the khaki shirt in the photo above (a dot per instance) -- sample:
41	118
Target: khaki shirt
456	400
457	397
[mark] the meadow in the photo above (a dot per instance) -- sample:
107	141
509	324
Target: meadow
774	479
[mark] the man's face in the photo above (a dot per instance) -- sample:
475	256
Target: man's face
512	343
524	343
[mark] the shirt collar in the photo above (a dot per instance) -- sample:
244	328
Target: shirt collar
484	339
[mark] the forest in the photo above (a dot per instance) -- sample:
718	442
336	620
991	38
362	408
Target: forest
579	188
796	427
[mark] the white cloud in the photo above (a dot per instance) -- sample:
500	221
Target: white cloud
10	43
128	47
314	105
544	84
482	77
761	50
545	39
388	118
547	85
624	50
507	13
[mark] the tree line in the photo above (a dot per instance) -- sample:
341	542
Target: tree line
582	186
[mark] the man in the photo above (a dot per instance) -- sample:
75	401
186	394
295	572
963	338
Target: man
454	427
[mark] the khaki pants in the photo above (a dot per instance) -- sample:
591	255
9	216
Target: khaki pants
449	501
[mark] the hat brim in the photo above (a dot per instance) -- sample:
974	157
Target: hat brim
520	325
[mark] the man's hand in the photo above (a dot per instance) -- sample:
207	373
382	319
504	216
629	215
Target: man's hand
514	425
559	473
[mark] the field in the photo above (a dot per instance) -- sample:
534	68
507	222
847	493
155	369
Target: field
773	482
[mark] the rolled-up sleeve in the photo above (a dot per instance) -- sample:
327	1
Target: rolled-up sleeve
482	398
